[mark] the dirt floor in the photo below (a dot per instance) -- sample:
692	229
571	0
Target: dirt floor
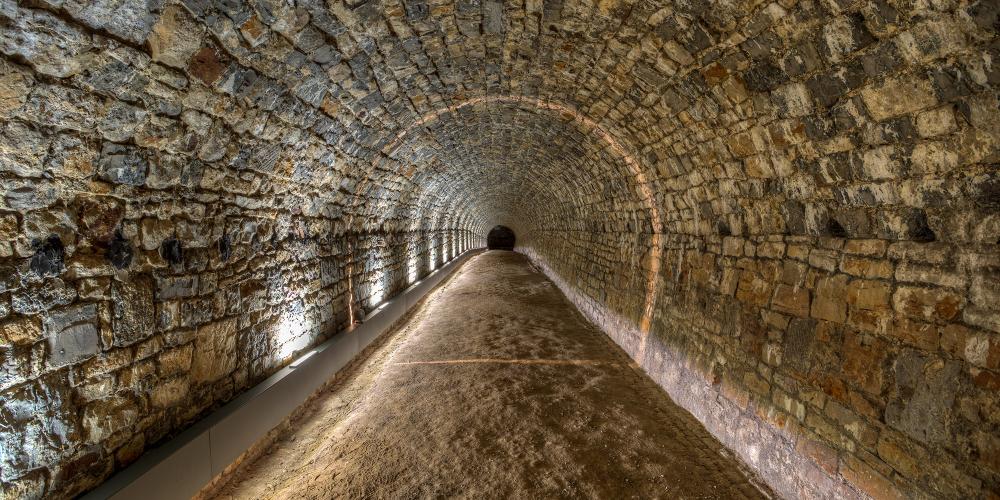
495	388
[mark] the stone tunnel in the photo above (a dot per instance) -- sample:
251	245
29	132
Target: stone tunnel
785	215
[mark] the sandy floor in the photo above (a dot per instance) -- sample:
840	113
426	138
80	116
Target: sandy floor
495	388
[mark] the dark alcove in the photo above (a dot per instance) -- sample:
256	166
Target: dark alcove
500	238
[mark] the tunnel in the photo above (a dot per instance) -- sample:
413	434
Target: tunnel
500	238
783	216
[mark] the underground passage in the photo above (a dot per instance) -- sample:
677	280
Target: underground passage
500	238
485	248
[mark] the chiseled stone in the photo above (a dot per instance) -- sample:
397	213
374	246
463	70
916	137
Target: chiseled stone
133	317
214	353
72	334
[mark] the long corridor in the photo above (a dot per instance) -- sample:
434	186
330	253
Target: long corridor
496	387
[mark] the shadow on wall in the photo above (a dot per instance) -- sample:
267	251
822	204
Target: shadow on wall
500	238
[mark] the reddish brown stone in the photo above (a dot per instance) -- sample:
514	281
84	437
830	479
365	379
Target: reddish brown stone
821	454
793	300
868	480
99	217
923	335
863	360
207	65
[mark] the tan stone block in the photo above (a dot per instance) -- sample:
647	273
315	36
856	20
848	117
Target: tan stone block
108	416
927	303
866	268
868	294
933	158
20	331
869	321
823	259
15	84
930	253
830	302
868	479
107	362
174	37
923	335
793	300
153	231
799	252
756	384
820	425
175	360
935	122
94	288
793	273
821	454
870	248
168	394
771	250
937	275
8	227
953	338
753	290
214	351
898	96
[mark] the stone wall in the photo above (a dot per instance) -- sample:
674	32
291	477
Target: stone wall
787	212
168	240
826	274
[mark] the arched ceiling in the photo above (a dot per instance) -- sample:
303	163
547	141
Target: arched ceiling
495	101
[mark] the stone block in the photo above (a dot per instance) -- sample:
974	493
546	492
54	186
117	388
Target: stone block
753	290
103	418
897	96
72	334
122	165
40	427
929	304
935	122
62	108
170	393
15	83
207	65
176	287
37	298
20	331
121	121
793	300
924	391
52	46
866	268
925	336
175	37
868	480
830	302
215	350
175	361
133	314
868	294
798	344
862	361
22	150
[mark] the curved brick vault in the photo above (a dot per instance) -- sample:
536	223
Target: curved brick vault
787	213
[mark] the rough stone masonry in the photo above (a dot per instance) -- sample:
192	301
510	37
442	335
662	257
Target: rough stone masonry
788	213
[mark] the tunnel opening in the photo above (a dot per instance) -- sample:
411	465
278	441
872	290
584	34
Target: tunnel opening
500	238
